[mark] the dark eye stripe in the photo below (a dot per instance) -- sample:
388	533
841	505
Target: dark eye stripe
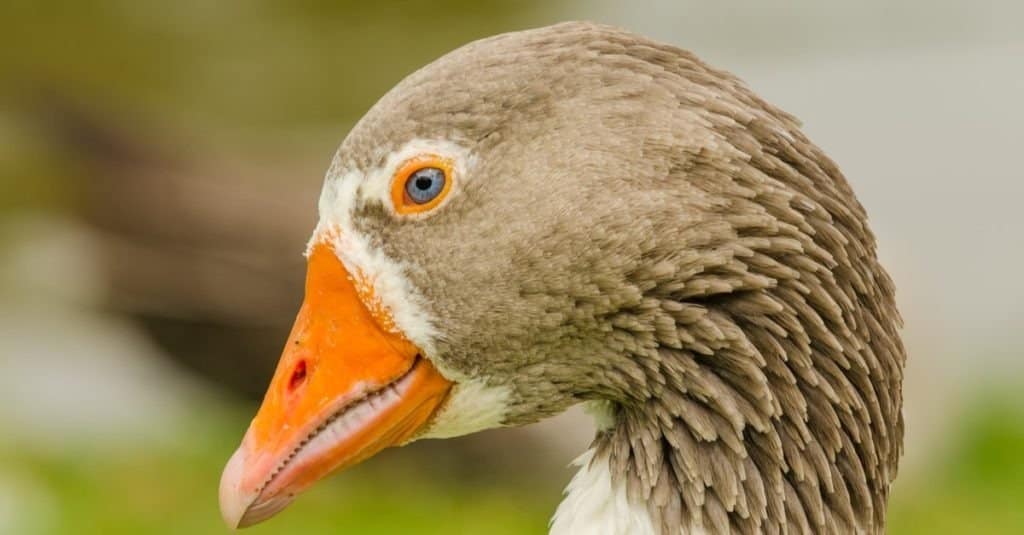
425	184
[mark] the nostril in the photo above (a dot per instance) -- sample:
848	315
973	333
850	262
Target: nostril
298	375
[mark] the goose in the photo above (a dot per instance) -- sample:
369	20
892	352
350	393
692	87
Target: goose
576	214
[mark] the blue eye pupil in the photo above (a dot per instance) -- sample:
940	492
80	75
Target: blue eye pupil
425	184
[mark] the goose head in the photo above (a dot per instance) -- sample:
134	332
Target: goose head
579	214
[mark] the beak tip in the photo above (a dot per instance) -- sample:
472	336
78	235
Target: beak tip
242	508
234	503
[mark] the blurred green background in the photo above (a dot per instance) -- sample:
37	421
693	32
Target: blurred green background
159	168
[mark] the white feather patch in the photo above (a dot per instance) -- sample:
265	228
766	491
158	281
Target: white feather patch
472	406
593	505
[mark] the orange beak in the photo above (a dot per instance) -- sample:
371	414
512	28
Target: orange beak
347	386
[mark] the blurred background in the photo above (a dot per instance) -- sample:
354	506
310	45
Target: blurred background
159	169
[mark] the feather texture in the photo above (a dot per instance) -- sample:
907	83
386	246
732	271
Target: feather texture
640	228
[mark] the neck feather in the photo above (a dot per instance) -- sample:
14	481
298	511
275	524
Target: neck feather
768	409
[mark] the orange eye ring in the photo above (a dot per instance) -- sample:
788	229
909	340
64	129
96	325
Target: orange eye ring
404	204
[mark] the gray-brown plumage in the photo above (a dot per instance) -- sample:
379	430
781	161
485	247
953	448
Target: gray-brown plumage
639	229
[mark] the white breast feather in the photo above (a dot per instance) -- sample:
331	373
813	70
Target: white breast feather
593	505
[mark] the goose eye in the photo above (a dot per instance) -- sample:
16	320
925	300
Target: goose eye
425	185
421	183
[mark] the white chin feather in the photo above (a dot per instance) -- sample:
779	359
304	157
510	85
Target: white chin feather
472	406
